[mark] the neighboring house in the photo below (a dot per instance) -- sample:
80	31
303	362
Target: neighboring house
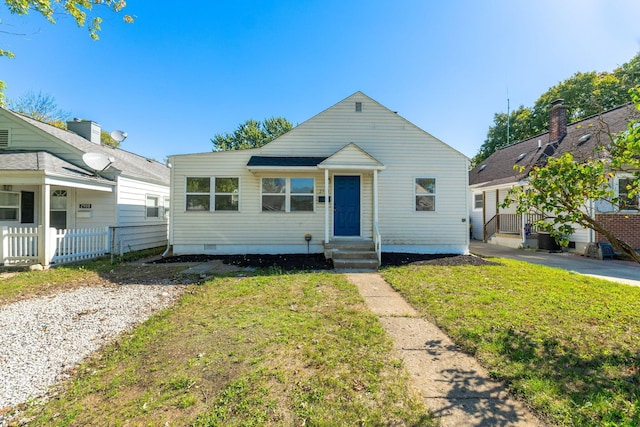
55	208
355	173
491	180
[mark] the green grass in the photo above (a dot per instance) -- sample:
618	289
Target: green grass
567	344
33	283
298	349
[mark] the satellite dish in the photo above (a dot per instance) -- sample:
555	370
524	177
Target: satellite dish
119	135
97	161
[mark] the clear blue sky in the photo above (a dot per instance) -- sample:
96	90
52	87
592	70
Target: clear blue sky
185	71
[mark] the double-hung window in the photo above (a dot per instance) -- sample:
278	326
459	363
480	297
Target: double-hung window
478	201
425	194
153	208
9	206
288	194
198	194
301	194
626	202
225	192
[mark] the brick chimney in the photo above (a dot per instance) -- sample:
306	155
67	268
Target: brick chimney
557	121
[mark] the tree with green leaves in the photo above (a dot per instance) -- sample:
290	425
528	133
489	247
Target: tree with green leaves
584	94
106	139
563	190
80	10
252	134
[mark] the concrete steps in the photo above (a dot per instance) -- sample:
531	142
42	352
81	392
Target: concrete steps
352	255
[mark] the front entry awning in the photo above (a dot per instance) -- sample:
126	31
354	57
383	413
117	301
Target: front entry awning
279	163
350	157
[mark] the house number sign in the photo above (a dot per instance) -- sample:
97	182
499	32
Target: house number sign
85	205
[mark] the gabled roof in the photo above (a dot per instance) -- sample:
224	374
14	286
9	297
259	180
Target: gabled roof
129	164
499	169
351	156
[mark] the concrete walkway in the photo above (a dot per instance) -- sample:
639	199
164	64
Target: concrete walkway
626	272
453	384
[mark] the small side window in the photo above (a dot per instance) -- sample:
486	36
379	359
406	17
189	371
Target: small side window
425	194
153	210
478	202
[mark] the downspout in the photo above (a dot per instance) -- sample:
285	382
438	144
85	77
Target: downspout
171	207
326	206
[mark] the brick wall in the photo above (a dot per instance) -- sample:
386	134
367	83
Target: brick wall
624	226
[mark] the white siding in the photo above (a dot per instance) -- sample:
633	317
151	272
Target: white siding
102	212
134	230
233	232
23	137
475	216
406	151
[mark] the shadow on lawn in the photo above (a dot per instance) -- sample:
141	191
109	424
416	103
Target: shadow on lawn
603	384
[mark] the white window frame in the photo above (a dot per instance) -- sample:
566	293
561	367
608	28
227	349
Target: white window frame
156	205
11	207
621	194
212	194
166	206
475	201
232	194
187	194
434	195
288	194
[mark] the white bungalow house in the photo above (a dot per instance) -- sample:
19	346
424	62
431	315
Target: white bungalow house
56	207
491	180
356	175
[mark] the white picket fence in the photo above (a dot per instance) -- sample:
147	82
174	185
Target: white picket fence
25	245
19	245
73	245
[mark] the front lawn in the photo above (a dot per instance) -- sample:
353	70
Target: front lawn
291	350
567	344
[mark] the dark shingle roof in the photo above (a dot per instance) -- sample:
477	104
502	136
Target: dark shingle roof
46	162
498	168
130	164
285	161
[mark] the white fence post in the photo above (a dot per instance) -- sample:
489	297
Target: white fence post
4	244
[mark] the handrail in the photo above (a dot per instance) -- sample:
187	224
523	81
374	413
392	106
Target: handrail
377	242
511	224
490	228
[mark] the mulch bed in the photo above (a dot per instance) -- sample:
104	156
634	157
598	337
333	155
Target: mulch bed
291	262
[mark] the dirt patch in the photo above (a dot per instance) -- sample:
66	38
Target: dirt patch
293	262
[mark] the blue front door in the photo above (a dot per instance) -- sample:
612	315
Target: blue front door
346	205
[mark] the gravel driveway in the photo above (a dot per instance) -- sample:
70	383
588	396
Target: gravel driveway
42	338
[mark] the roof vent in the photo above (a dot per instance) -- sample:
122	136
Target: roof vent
4	138
482	167
521	156
584	138
539	144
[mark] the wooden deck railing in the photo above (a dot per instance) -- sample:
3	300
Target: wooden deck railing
510	224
